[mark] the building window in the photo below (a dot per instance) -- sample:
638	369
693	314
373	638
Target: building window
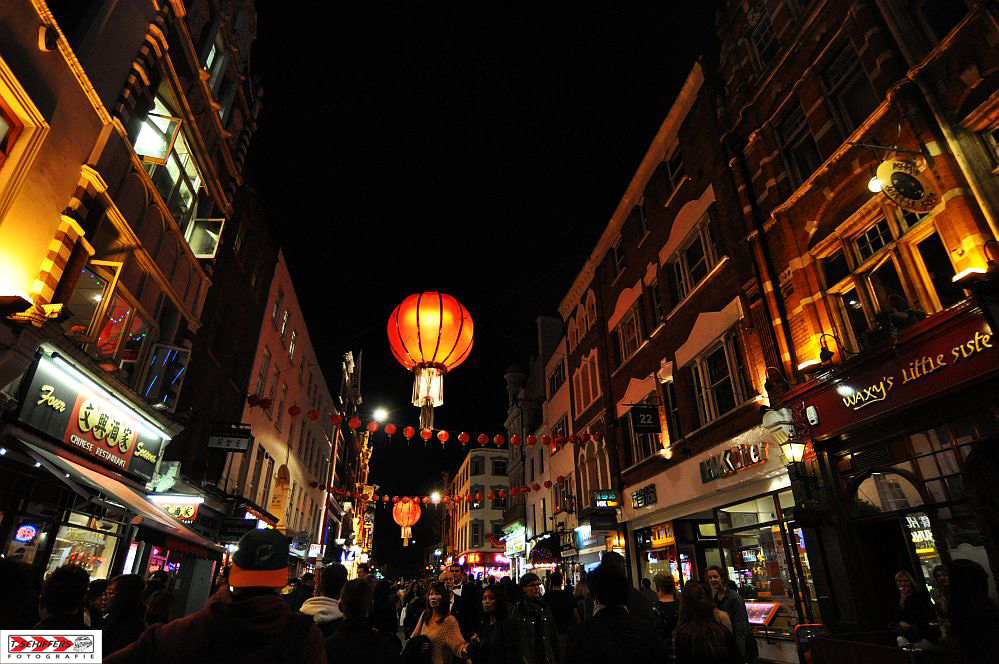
278	300
628	333
937	17
291	346
265	363
476	466
561	428
718	380
873	239
572	334
556	378
163	379
273	391
284	323
476	533
498	503
848	88
673	425
9	130
618	257
643	219
215	63
761	35
280	406
695	259
477	491
674	169
797	146
499	466
658	309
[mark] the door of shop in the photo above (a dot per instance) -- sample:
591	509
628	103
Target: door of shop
883	551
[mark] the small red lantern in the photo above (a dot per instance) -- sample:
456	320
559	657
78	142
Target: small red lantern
514	491
355	422
525	489
490	495
573	438
372	426
446	499
426	500
548	484
499	439
390	429
426	434
535	487
483	439
468	500
335	420
313	415
502	493
585	438
395	499
560	440
266	403
515	440
409	432
294	411
386	499
598	436
405	499
253	400
443	436
532	440
560	479
478	497
546	440
463	438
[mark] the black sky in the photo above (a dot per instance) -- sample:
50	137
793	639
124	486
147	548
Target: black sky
477	149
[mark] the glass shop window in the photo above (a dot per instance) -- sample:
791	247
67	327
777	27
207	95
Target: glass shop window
166	369
85	541
93	287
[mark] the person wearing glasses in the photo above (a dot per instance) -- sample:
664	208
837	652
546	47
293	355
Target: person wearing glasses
539	636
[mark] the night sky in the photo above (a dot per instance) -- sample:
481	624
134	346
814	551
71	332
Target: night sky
478	150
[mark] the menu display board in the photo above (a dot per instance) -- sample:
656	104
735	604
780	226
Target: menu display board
761	613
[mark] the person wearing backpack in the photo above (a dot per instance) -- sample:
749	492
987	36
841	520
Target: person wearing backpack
356	640
246	622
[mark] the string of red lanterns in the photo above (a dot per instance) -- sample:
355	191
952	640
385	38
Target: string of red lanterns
449	500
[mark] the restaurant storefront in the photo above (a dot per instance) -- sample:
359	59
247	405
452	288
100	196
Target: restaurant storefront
903	441
730	506
75	462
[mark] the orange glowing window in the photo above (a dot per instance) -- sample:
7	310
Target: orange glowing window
9	130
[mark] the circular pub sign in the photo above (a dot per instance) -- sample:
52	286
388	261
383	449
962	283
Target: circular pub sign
906	185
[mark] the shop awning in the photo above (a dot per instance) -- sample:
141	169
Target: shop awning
146	513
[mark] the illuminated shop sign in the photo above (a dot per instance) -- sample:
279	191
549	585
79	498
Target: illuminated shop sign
182	508
644	497
26	532
62	402
733	460
662	535
605	498
516	542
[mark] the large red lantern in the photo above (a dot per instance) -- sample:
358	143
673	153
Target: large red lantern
430	333
406	514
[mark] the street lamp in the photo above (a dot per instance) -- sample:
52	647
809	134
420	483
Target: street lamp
380	414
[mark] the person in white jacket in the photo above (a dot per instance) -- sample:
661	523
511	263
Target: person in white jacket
325	606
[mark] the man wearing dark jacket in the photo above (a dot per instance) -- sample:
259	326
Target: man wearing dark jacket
325	606
62	599
302	592
538	634
466	605
638	604
246	621
612	635
356	640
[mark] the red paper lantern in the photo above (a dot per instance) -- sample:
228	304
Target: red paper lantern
468	500
598	436
409	432
499	439
573	438
560	479
313	484
294	411
535	487
253	400
548	484
430	333
514	491
386	499
502	493
446	499
443	436
463	438
515	440
546	440
426	500
405	499
335	420
478	497
585	438
532	439
406	514
559	440
390	428
426	434
266	403
490	495
525	489
313	415
372	426
395	499
483	439
354	423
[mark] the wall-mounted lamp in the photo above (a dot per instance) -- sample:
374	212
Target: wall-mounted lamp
771	386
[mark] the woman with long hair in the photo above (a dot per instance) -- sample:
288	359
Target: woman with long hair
914	613
497	641
125	619
440	627
700	636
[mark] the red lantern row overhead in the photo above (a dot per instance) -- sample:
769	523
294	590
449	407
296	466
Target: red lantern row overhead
430	333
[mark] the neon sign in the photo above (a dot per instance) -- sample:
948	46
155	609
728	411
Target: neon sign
26	533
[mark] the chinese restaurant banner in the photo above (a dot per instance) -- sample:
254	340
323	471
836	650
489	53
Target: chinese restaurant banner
59	404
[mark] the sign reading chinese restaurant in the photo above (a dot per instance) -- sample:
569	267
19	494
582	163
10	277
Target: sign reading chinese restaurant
62	402
733	460
935	355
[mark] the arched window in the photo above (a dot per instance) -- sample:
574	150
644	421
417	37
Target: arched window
583	483
886	492
591	307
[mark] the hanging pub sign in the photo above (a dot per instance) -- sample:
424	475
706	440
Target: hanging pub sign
906	186
230	437
645	419
65	404
643	497
733	460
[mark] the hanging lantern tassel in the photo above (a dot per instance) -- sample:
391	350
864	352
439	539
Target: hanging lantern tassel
407	534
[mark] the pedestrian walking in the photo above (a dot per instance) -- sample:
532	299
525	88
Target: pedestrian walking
974	617
305	589
413	610
612	635
562	604
497	640
666	610
356	640
325	606
245	622
731	603
63	596
125	620
93	610
913	614
639	606
467	601
700	636
383	615
538	635
441	627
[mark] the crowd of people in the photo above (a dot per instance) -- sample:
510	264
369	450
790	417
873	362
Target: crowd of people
256	615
